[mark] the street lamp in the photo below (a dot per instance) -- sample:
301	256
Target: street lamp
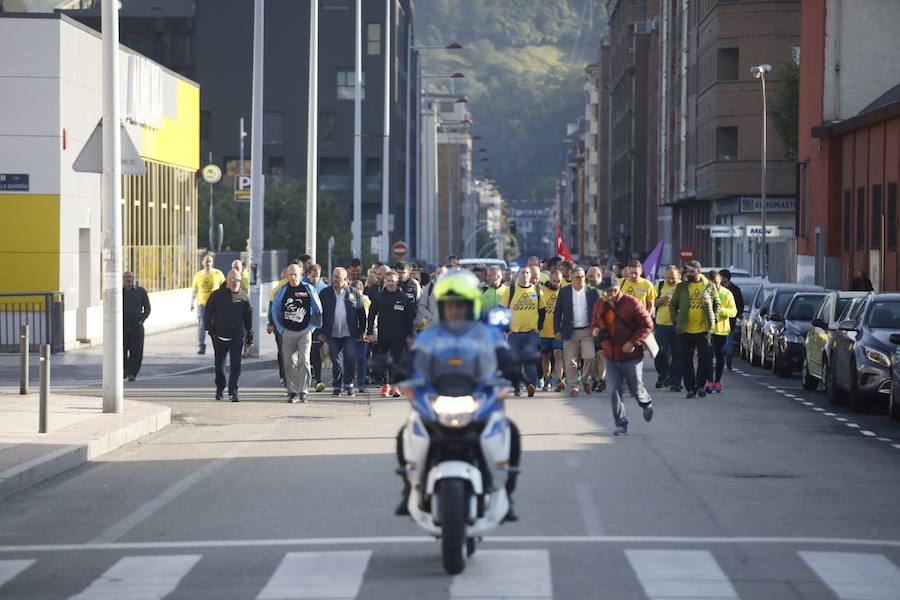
759	72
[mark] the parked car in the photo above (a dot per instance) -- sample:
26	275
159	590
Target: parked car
815	347
894	401
759	298
860	351
789	332
774	306
468	263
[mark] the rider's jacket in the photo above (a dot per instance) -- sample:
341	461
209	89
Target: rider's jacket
474	349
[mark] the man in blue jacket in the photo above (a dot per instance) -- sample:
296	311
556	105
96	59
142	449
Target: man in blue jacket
343	322
296	313
571	321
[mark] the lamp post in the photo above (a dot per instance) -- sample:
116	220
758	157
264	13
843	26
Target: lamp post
759	72
257	184
312	133
356	226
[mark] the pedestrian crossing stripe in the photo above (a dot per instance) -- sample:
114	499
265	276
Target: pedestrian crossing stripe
524	574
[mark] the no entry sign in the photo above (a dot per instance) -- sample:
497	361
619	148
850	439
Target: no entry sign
686	253
400	249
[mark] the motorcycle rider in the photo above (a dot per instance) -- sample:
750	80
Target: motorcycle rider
458	298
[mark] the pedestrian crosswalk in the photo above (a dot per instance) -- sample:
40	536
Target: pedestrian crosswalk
492	574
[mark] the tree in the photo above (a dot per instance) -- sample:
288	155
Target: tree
786	105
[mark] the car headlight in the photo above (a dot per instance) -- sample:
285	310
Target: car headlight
793	338
454	411
879	358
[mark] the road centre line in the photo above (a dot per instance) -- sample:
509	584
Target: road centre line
387	540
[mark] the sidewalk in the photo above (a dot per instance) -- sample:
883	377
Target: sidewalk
78	432
166	354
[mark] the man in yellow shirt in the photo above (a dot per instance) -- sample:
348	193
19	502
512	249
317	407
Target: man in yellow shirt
552	359
525	301
668	361
635	285
206	281
721	330
693	308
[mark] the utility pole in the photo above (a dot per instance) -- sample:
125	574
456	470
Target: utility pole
112	213
257	184
312	150
407	237
386	140
357	139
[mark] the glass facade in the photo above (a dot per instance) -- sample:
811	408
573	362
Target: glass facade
159	222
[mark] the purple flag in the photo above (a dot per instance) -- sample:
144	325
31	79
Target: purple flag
651	264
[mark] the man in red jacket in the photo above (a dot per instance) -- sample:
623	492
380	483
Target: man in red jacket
622	323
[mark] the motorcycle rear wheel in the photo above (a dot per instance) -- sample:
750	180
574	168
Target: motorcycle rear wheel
454	506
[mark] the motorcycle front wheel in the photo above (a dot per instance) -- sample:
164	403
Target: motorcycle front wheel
454	506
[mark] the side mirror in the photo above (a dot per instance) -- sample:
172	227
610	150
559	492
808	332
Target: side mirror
820	323
763	311
895	338
847	326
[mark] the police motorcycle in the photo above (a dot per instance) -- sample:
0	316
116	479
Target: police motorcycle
458	451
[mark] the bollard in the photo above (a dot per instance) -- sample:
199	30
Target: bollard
23	353
45	388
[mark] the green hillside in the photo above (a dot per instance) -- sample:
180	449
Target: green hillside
524	64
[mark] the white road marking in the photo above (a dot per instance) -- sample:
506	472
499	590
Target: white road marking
11	568
856	576
883	439
808	403
589	511
387	540
140	578
853	425
503	574
303	575
118	529
772	387
671	574
868	433
817	409
897	446
841	419
829	414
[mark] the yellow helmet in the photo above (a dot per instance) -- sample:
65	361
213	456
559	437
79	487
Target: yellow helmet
461	286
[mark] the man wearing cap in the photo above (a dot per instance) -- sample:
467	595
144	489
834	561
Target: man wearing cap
693	308
622	323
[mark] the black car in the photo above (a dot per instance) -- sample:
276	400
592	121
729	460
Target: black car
763	328
860	351
789	332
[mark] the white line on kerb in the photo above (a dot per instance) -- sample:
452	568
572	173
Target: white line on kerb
817	409
883	439
867	433
853	425
841	419
829	414
521	539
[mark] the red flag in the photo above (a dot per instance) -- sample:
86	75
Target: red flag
561	249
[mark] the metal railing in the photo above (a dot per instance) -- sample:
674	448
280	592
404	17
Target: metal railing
41	311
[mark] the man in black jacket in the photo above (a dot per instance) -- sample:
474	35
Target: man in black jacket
343	321
135	310
229	323
395	315
735	290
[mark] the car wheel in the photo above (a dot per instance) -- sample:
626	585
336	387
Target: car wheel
765	363
754	358
859	403
836	396
809	382
894	405
781	369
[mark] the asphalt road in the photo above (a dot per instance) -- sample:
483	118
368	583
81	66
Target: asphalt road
763	492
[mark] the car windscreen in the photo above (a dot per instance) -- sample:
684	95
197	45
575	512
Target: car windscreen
804	308
748	290
843	303
763	296
885	315
781	302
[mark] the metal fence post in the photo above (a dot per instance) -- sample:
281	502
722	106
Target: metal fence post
45	388
23	354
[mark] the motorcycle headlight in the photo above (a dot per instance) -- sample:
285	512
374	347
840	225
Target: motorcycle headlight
879	358
454	411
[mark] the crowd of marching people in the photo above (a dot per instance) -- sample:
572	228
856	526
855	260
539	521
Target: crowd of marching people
591	326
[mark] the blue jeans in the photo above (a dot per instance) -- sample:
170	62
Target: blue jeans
343	361
728	350
630	372
520	342
201	329
668	362
362	355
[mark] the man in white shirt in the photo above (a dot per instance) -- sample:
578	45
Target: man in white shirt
343	321
571	321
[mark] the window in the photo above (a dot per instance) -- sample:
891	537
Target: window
373	31
847	214
892	216
334	174
728	64
327	127
876	216
273	127
861	218
373	174
803	209
276	166
205	124
346	82
726	143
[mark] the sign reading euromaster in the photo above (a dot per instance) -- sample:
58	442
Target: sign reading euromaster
14	182
754	205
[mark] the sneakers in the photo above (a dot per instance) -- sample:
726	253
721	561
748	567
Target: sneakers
517	393
220	396
293	398
350	391
701	393
385	391
717	387
320	387
648	411
304	398
692	394
675	387
573	392
531	390
601	385
710	388
395	392
131	378
660	383
540	383
547	386
621	429
233	396
587	388
560	386
202	350
336	392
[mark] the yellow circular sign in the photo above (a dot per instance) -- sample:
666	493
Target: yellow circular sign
212	174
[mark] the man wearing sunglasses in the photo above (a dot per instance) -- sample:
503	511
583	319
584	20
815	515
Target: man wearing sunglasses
228	320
